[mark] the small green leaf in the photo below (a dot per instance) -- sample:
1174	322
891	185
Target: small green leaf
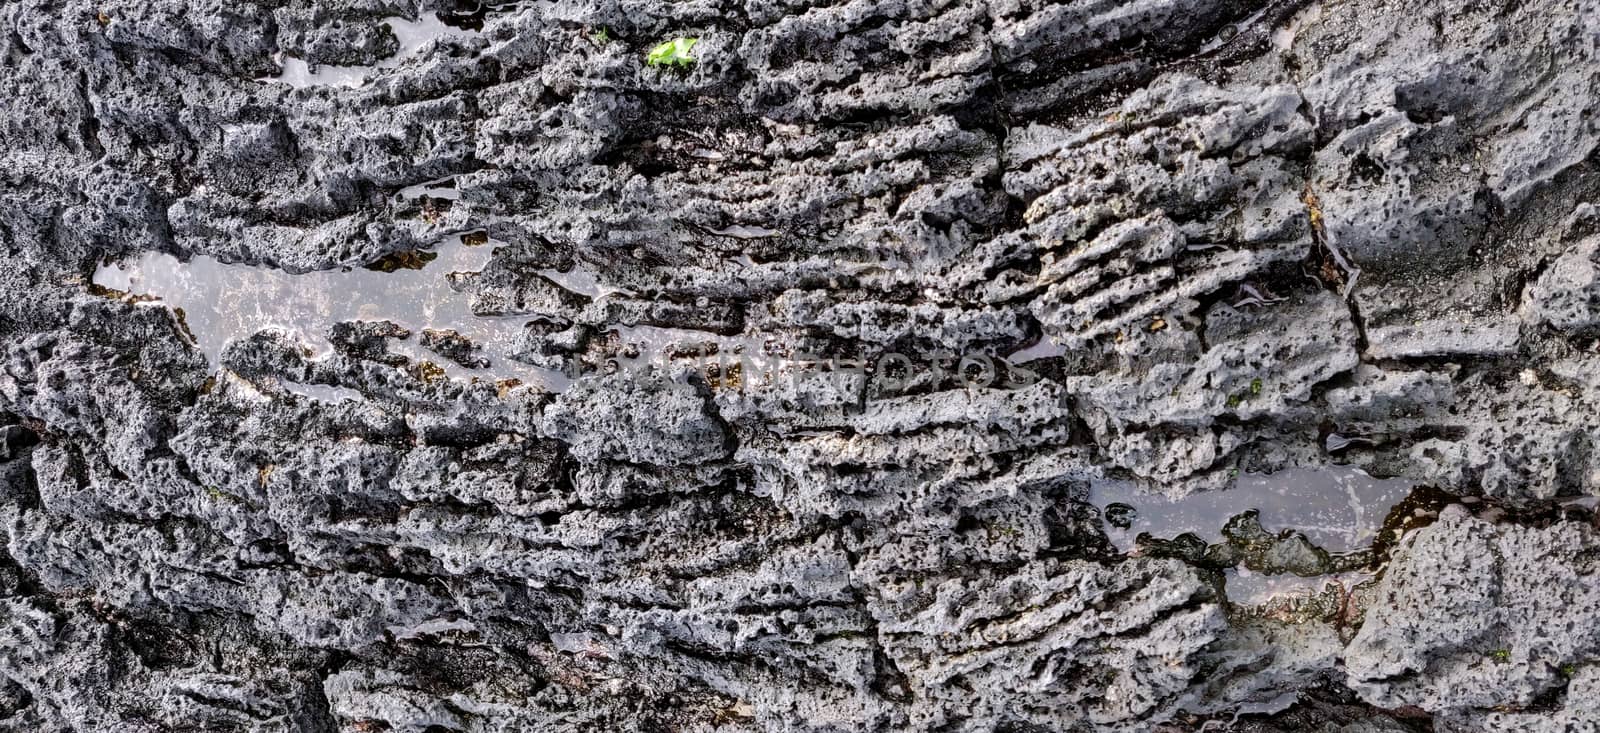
672	53
1255	386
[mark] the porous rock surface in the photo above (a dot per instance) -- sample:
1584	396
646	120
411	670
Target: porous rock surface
1485	623
1258	234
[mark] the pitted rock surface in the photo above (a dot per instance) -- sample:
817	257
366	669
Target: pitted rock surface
1238	235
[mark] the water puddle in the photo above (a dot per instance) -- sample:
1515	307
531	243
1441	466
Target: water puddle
442	188
1044	349
413	36
582	281
742	231
1339	510
1249	588
1231	31
324	392
223	302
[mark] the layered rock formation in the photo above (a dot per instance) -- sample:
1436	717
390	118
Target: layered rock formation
1236	236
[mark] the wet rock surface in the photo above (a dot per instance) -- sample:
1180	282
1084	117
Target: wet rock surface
805	362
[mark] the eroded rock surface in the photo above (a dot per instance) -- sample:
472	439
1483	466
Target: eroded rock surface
1484	624
1228	235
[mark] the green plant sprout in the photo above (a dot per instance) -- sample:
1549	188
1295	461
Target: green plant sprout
601	36
672	53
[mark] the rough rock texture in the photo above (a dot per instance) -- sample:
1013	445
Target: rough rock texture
1473	618
1245	235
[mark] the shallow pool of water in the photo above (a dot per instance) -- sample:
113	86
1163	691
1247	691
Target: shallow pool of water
1338	508
223	302
412	35
1246	587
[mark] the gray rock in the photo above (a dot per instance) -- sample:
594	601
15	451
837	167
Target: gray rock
1191	238
638	418
1473	617
1567	294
